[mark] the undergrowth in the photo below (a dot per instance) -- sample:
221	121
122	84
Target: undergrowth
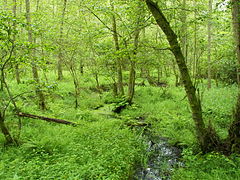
102	146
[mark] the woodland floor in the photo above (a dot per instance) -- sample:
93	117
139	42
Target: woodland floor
104	145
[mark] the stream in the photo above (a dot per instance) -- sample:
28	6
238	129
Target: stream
162	157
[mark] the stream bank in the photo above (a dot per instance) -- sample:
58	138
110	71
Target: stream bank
162	157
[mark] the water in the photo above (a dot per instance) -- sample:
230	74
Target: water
162	160
162	156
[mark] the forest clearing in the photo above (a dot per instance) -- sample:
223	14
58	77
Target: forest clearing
119	89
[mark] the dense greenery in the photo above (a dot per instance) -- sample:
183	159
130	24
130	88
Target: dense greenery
102	146
106	67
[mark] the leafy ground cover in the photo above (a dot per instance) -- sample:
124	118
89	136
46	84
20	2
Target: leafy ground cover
102	146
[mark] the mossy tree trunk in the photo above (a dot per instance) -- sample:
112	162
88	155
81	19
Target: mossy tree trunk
201	131
234	130
236	32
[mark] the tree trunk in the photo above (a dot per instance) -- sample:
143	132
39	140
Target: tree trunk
117	47
194	64
194	102
209	42
61	121
236	30
2	79
183	38
132	75
4	129
39	93
131	84
60	55
17	74
234	130
97	80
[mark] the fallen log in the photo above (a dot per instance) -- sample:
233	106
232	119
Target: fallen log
21	114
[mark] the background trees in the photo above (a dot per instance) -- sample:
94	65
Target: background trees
119	40
106	66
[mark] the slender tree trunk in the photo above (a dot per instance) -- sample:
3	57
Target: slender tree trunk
132	74
97	80
2	79
194	68
183	38
175	74
60	55
4	129
194	102
39	93
117	47
209	42
17	73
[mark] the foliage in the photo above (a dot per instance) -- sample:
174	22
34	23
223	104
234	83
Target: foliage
210	166
103	146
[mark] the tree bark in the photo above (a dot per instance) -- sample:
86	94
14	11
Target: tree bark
194	102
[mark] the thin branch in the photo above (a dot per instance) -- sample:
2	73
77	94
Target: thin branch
110	29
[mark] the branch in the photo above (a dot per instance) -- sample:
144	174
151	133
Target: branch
21	114
110	29
156	48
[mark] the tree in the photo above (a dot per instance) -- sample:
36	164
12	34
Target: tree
7	46
17	65
209	42
31	40
234	130
117	47
60	54
205	138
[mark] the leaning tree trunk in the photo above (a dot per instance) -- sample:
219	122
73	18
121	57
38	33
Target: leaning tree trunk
234	130
203	137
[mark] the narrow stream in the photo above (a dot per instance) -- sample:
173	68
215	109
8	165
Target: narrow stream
162	159
162	156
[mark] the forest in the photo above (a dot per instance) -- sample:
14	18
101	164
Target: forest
120	89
